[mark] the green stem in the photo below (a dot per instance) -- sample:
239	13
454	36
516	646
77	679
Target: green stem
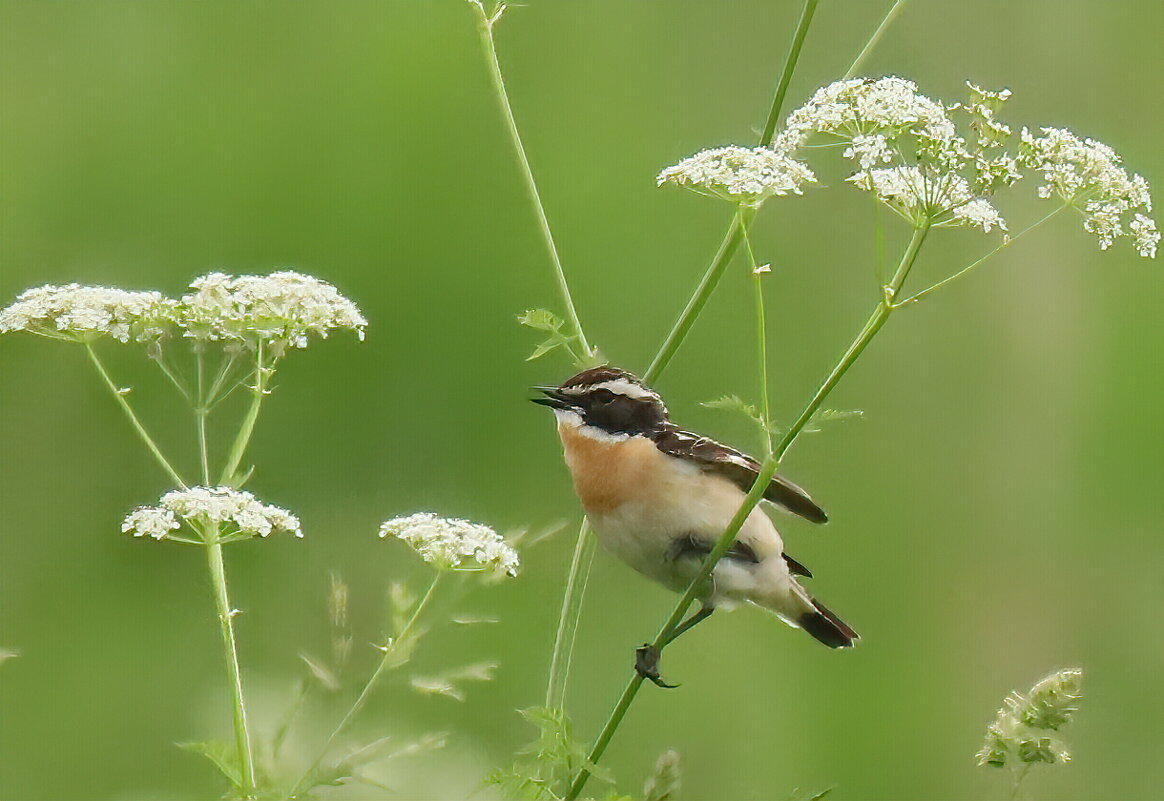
488	47
1019	775
767	470
262	378
168	373
366	692
786	75
1005	244
580	563
230	649
890	16
761	338
731	240
119	396
699	298
200	412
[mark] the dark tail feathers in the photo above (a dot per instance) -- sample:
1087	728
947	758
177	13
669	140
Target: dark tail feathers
827	627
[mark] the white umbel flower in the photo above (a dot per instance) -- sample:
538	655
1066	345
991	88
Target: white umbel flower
739	174
941	199
1088	175
447	542
279	310
235	514
863	106
77	313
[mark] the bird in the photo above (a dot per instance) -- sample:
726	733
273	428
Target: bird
659	497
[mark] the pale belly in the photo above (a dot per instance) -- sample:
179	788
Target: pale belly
641	502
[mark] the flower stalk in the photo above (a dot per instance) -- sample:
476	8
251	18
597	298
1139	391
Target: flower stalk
389	651
119	396
263	375
226	615
485	25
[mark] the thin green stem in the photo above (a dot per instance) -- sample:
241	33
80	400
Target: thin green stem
119	396
160	360
369	686
698	299
761	336
1019	775
890	16
262	379
580	562
226	615
731	240
767	470
225	366
489	49
200	412
969	267
786	74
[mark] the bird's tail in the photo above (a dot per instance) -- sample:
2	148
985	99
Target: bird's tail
797	608
827	627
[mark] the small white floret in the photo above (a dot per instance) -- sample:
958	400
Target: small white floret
211	512
740	174
449	542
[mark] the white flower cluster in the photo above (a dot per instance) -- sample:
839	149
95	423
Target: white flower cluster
914	193
864	106
202	506
1020	730
1088	175
78	313
446	542
739	174
942	181
279	309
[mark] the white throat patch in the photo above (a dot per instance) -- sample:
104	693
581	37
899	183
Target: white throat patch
568	418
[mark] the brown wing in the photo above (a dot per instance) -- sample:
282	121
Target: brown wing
738	468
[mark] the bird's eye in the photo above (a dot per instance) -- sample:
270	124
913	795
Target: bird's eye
603	396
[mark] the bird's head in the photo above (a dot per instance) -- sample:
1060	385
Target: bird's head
608	399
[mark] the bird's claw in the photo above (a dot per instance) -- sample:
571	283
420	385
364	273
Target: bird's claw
647	665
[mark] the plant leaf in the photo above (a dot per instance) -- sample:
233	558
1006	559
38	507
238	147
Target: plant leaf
222	755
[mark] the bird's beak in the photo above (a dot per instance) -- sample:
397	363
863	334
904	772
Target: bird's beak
554	399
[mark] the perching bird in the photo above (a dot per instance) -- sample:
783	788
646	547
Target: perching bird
659	497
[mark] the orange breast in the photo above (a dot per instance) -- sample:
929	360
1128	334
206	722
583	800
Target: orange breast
606	473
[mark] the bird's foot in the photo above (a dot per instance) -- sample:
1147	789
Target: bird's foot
647	665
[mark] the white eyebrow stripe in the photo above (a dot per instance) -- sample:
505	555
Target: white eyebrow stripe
620	386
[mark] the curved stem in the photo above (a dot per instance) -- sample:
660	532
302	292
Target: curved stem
580	563
366	692
485	30
890	16
1006	243
262	379
767	470
119	396
230	649
695	304
786	75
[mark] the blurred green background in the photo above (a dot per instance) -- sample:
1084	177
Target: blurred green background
997	514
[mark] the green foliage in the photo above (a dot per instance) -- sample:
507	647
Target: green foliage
550	324
223	755
544	768
825	416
